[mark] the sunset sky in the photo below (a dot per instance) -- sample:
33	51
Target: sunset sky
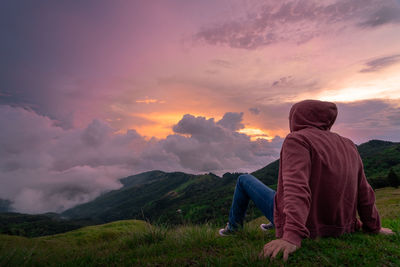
95	90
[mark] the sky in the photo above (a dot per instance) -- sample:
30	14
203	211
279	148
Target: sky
95	90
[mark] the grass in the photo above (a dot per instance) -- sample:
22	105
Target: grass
137	243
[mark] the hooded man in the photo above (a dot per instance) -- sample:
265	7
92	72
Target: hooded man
321	185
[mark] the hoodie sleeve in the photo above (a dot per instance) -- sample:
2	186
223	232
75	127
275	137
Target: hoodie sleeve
366	204
296	170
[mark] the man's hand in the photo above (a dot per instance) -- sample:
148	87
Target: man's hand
386	231
272	248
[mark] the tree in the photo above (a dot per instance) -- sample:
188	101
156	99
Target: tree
393	179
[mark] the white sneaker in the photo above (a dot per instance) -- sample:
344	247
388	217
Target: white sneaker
266	227
225	231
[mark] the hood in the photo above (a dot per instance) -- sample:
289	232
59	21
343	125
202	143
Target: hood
312	114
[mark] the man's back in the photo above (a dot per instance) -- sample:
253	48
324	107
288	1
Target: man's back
321	180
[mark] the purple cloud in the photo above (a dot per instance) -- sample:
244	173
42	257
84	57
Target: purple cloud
232	121
216	146
254	111
369	119
44	167
298	22
284	81
222	63
380	63
384	15
199	128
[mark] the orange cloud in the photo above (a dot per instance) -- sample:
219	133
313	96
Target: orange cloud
255	133
161	125
150	101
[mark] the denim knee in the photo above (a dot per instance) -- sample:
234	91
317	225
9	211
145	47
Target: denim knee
244	177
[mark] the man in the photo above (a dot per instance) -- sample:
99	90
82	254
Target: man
321	185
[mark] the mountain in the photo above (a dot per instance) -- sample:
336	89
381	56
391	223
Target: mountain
5	205
179	197
37	225
269	174
199	198
169	197
374	147
142	178
378	158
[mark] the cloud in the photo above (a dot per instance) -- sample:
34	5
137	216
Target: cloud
380	63
369	119
61	190
63	62
298	22
45	168
199	128
232	121
283	81
221	63
394	117
384	15
254	111
150	101
216	146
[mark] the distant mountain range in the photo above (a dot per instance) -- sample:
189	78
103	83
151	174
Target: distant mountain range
5	205
164	197
179	197
378	158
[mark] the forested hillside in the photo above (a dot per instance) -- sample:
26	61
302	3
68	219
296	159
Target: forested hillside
171	198
378	158
179	197
4	205
36	225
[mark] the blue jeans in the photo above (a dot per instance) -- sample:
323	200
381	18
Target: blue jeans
249	187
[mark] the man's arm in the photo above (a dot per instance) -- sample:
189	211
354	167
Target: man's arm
366	204
296	170
366	207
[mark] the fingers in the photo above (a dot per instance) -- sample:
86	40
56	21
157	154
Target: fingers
285	255
386	231
275	252
261	255
272	249
267	250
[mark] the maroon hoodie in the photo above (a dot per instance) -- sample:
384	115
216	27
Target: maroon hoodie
321	183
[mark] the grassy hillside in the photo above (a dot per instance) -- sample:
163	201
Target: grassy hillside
137	243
